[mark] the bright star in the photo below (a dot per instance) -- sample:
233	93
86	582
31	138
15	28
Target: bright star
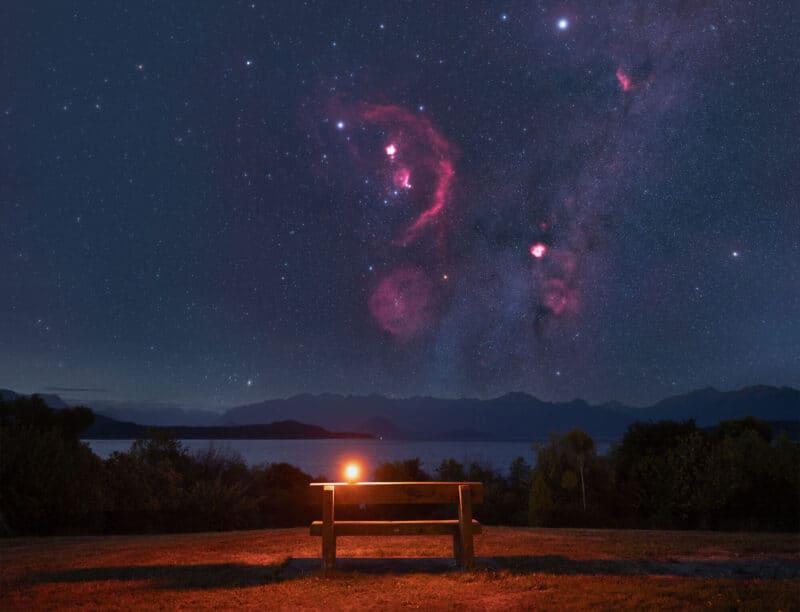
563	23
504	17
249	382
340	125
735	253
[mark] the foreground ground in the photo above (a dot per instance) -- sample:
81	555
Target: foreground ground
518	569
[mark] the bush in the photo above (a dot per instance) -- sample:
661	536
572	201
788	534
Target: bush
281	495
50	482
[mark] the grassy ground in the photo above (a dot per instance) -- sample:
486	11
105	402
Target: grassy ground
518	569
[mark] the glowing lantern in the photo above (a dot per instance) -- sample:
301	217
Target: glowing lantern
351	472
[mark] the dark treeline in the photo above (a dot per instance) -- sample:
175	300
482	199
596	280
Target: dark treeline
663	475
671	475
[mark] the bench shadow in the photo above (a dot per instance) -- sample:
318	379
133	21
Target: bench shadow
237	575
297	567
557	565
207	576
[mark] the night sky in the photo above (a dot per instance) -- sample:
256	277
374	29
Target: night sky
212	205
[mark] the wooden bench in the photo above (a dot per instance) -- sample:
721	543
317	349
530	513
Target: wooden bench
464	494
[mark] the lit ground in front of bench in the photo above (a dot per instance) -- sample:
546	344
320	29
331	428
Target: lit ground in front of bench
516	568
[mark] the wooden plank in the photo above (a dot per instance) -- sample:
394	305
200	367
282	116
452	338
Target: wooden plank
328	533
465	527
399	492
387	528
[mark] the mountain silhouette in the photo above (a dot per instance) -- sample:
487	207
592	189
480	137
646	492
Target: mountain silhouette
513	416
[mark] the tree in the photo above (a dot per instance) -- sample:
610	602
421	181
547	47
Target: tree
644	469
579	447
451	470
409	470
568	482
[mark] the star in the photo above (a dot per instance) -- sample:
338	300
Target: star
563	23
340	125
735	253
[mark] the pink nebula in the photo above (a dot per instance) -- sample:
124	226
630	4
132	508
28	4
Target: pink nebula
403	303
402	178
425	151
624	80
559	297
538	250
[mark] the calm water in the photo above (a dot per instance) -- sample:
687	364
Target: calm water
326	457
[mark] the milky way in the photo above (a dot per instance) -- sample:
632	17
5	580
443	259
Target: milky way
560	203
570	199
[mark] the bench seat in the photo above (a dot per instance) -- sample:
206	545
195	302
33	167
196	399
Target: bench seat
349	528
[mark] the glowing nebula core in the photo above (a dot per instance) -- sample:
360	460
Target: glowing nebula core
624	80
403	303
402	178
538	250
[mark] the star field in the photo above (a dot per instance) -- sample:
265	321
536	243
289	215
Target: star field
212	205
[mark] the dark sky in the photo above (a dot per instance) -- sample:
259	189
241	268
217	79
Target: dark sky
217	203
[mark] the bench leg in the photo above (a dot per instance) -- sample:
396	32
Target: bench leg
457	552
465	527
328	534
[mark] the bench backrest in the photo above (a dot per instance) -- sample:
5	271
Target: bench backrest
346	493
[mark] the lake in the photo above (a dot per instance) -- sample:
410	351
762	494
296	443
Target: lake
326	457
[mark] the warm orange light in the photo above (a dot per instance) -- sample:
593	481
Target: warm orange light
351	472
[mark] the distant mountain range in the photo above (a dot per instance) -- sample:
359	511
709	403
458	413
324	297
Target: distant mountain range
514	416
107	428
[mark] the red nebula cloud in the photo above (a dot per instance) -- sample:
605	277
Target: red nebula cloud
538	250
426	152
403	303
402	178
559	297
624	80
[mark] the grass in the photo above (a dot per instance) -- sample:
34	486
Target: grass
518	569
